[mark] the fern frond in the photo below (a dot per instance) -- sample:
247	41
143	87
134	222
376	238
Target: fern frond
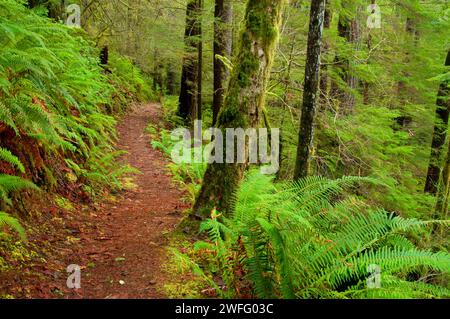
7	156
7	220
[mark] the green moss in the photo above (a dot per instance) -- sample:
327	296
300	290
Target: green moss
50	178
14	254
181	283
229	114
245	98
248	63
260	22
184	290
64	203
261	28
128	183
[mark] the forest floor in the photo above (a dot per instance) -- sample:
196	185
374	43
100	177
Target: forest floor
129	245
121	246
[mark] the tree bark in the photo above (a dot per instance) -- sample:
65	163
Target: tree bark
171	79
439	134
55	8
158	67
187	102
365	84
442	204
198	113
326	46
311	89
244	100
104	55
405	92
222	46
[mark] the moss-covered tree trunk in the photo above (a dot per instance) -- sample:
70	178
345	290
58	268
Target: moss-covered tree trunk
439	134
187	102
311	89
223	14
244	99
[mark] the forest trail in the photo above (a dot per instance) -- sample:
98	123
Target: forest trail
127	247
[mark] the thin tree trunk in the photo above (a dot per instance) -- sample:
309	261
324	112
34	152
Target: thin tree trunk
403	93
104	55
223	15
326	46
158	85
443	197
244	100
365	84
129	30
349	29
198	114
187	102
171	85
311	89
285	101
439	134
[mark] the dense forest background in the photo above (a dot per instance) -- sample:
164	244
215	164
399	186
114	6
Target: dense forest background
378	86
362	108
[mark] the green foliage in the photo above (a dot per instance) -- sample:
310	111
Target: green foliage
55	96
396	77
370	145
308	240
188	176
101	168
8	157
128	80
170	107
7	220
9	184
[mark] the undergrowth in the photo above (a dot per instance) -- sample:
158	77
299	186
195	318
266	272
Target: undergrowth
308	239
58	110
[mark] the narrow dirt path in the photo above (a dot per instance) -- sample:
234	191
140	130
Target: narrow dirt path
126	248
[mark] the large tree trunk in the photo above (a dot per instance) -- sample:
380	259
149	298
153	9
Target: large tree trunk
223	14
244	100
439	134
311	89
187	102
